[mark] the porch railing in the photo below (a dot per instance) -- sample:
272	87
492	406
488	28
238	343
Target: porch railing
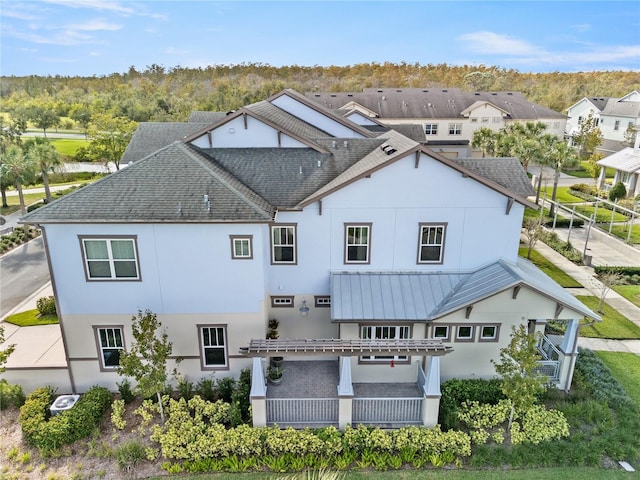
547	349
387	410
422	378
302	411
549	368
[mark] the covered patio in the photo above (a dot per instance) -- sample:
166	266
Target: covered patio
321	393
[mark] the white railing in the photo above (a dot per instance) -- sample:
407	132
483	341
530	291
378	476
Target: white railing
547	349
302	411
549	368
387	410
422	378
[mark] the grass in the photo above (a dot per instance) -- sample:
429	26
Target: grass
614	325
565	473
562	195
626	368
630	292
69	146
622	232
565	280
602	215
31	318
13	202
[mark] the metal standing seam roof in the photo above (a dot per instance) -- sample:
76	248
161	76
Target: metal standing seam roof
626	160
425	296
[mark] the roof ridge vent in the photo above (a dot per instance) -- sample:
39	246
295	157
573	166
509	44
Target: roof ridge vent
388	149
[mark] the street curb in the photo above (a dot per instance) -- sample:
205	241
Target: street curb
20	307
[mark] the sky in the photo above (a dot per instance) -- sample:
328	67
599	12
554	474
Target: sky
101	37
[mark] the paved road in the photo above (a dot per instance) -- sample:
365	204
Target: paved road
23	271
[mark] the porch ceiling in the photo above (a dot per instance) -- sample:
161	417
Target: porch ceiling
331	346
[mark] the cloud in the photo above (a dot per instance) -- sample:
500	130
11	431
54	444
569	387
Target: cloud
94	25
581	28
497	44
93	5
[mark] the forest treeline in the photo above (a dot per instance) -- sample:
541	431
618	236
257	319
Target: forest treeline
171	94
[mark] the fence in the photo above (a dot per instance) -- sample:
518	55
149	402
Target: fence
395	411
302	411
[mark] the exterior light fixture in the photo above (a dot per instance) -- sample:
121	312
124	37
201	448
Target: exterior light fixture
304	309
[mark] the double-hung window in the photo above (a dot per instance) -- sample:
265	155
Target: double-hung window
283	244
431	129
213	346
110	258
110	344
357	243
431	243
385	332
455	129
616	125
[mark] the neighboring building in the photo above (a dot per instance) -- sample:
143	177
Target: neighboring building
446	117
612	115
396	266
626	163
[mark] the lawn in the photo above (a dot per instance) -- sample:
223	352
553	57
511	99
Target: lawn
562	195
602	215
69	146
626	368
14	202
630	292
31	318
614	325
447	474
565	280
623	232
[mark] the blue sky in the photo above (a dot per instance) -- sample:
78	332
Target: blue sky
99	37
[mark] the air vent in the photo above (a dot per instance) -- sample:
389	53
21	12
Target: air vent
63	403
388	149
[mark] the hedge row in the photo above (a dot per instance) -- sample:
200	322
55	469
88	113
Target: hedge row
623	270
50	433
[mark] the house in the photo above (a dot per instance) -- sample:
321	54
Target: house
389	267
626	163
442	118
614	116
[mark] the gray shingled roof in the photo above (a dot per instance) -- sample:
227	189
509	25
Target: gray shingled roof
286	176
414	132
206	117
507	172
150	137
425	296
168	186
289	122
433	102
617	108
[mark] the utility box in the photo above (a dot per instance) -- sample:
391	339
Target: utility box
63	403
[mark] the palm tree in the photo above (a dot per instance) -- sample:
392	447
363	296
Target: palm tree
41	153
485	139
20	169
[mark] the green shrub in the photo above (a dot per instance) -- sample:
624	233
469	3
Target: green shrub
581	187
126	393
562	247
206	389
226	387
631	274
185	388
130	454
49	434
617	191
455	392
10	395
46	305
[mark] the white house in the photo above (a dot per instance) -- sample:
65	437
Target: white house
446	118
395	267
614	116
626	163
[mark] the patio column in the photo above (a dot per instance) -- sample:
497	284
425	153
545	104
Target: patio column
568	354
432	394
345	394
602	177
258	394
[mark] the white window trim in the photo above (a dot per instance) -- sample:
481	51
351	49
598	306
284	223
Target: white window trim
101	349
110	259
387	358
441	244
496	335
470	338
282	301
203	347
446	338
292	245
347	226
432	129
322	301
455	128
241	238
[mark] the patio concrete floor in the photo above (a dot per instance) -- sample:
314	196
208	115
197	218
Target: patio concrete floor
319	379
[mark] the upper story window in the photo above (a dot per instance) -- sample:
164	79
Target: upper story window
455	129
431	129
110	258
241	247
441	332
485	119
431	246
580	120
110	344
213	346
322	300
616	126
496	119
357	243
489	333
283	244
